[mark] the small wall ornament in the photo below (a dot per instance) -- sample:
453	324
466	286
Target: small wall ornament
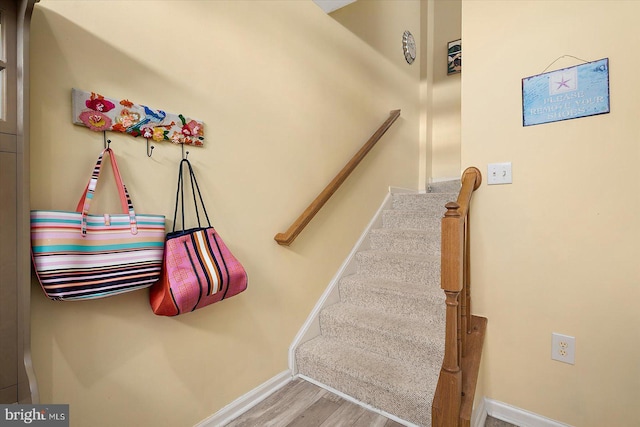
454	57
100	114
408	47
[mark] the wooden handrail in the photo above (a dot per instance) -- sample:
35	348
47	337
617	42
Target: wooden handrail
299	224
447	402
471	180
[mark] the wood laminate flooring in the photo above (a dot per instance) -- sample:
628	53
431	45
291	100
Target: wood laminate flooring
302	404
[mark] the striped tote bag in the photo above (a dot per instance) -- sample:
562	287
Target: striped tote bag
80	256
199	269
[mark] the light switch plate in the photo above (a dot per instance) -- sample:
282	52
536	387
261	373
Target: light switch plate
499	173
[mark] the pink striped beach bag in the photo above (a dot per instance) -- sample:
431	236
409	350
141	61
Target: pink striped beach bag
80	256
199	269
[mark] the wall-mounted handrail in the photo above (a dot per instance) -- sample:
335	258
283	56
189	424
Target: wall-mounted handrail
454	270
299	224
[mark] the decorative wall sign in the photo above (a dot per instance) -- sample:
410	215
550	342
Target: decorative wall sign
454	57
99	113
569	93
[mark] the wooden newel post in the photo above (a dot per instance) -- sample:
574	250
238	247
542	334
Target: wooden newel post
446	409
452	271
449	408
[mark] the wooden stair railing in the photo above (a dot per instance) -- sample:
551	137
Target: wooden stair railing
299	224
464	336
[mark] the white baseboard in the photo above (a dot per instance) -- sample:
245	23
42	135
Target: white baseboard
517	416
247	401
479	414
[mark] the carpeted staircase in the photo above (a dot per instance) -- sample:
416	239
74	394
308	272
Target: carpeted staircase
383	342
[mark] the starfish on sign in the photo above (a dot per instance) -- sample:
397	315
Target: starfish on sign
563	82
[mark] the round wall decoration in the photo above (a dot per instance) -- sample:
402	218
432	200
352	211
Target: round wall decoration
408	47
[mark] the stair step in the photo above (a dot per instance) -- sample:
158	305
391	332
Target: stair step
431	202
383	343
404	299
452	186
406	241
400	388
390	335
414	219
421	269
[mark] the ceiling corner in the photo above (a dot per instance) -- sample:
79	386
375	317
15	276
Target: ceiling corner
330	5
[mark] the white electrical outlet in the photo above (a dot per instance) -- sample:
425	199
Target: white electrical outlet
563	348
499	173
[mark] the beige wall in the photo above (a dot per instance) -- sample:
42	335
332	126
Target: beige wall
380	24
557	250
434	24
287	95
445	101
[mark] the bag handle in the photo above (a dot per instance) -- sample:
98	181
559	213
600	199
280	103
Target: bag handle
180	195
89	191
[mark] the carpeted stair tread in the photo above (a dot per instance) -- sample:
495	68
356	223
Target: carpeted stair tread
427	202
390	335
451	186
411	219
405	241
383	342
393	386
399	267
405	299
